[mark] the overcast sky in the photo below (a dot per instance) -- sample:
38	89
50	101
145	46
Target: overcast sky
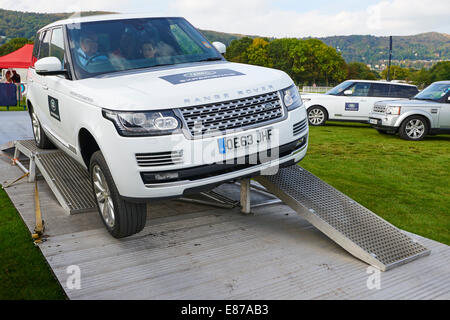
282	18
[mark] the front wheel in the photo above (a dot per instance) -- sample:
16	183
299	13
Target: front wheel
317	116
414	128
120	217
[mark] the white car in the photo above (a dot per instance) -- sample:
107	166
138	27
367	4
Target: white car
426	113
353	100
153	110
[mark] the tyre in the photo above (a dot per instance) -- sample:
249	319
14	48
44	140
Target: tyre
414	128
317	116
120	217
40	138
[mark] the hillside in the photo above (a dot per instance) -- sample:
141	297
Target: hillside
408	50
371	49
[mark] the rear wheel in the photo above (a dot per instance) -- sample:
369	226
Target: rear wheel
40	138
414	128
317	116
120	217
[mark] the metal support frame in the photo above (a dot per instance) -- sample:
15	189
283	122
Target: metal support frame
21	149
245	196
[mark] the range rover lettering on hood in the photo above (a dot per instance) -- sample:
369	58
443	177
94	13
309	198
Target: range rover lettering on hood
200	75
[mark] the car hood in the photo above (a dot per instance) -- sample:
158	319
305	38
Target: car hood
407	103
178	86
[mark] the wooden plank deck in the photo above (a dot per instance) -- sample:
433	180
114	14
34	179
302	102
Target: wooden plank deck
190	251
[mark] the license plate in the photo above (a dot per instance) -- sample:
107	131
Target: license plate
373	121
244	140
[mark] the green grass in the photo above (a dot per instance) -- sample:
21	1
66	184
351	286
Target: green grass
24	273
405	182
16	108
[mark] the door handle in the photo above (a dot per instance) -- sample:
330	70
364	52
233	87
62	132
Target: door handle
44	87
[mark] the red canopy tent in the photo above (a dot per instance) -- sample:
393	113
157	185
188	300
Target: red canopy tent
20	58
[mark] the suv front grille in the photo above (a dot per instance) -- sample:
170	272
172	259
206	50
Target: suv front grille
240	113
379	109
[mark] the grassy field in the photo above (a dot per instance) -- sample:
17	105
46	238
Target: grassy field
406	183
24	273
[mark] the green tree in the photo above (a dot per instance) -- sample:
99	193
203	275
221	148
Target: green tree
279	52
397	73
420	78
360	71
257	54
12	45
315	62
440	71
236	50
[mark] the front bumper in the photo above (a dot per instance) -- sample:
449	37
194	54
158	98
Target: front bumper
203	164
383	121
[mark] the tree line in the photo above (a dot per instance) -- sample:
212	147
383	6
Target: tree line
311	61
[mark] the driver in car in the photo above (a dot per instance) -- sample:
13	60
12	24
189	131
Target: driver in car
88	50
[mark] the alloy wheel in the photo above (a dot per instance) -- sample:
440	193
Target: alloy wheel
103	196
316	116
415	128
36	128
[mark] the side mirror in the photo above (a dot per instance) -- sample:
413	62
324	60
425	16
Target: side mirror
348	92
220	47
49	66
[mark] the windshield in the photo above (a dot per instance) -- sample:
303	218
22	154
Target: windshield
339	88
433	92
117	45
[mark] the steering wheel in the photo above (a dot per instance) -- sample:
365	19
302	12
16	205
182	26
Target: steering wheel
93	57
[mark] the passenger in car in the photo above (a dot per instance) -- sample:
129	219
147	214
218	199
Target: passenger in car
148	50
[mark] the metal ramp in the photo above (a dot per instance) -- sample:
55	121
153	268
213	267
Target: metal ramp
68	180
355	228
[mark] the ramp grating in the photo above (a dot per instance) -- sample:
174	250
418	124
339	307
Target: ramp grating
352	226
68	180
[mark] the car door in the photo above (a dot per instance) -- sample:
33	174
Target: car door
39	87
58	98
356	106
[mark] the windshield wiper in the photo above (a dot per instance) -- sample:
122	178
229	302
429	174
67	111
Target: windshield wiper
210	59
427	99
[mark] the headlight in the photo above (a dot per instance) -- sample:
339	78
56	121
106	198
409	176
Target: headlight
148	123
393	110
291	98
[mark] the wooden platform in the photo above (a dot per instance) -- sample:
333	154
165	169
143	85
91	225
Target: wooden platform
190	251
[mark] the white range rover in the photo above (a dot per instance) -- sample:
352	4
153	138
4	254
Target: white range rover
353	100
153	110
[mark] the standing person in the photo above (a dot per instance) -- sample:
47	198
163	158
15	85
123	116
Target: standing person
8	77
15	77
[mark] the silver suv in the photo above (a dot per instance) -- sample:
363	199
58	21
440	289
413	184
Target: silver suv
428	112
